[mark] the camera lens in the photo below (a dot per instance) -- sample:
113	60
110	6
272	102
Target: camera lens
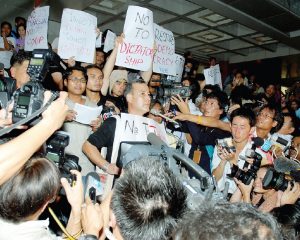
274	180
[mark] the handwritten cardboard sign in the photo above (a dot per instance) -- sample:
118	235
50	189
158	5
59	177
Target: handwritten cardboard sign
77	36
213	75
37	29
137	51
109	42
164	57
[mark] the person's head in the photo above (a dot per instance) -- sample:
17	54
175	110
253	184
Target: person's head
270	90
227	221
19	64
186	82
154	82
100	57
288	124
295	149
238	79
21	29
19	21
118	82
24	196
242	122
294	105
75	79
138	97
215	103
6	29
212	61
95	78
157	107
239	94
269	118
147	201
288	216
258	184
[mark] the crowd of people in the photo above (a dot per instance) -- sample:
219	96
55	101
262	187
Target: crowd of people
219	130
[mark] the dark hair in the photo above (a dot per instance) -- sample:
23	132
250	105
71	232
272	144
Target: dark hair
223	221
20	18
239	93
29	190
278	116
289	217
6	23
148	200
92	66
244	113
21	25
239	72
130	84
20	57
70	70
221	97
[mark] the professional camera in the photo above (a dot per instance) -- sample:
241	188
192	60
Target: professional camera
227	144
55	151
29	98
276	180
171	87
247	176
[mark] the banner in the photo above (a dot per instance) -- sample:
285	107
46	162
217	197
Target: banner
213	75
37	29
137	51
77	36
164	57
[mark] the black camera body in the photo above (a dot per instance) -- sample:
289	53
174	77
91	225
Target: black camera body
275	180
247	176
55	151
170	86
29	98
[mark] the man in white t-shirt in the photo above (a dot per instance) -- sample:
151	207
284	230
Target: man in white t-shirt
7	44
242	122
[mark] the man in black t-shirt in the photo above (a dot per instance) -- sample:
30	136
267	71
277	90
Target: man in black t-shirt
138	99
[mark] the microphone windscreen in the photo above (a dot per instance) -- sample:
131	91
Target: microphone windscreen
155	140
283	164
258	141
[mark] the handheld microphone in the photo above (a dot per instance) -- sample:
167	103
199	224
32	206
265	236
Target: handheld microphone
283	165
157	113
93	187
257	142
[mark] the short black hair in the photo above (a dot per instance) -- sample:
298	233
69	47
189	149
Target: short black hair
70	70
244	113
148	200
6	23
20	57
221	97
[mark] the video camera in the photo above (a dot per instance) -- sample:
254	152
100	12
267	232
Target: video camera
170	86
29	98
55	151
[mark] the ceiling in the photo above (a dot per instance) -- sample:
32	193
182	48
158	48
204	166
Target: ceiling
225	29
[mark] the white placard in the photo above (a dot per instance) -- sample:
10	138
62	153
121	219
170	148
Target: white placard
178	67
213	75
86	114
164	57
109	42
137	51
132	128
5	57
99	41
37	29
77	36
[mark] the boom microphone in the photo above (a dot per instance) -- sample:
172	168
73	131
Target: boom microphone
284	165
157	113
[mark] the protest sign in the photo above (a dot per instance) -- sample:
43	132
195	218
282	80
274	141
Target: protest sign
137	51
5	57
109	42
77	36
213	75
37	29
178	67
164	57
99	41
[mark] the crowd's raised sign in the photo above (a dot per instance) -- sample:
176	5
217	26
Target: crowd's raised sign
137	51
164	56
77	36
99	41
132	128
37	29
109	42
5	57
178	67
213	75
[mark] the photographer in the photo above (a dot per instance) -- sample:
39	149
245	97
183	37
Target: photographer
30	141
242	122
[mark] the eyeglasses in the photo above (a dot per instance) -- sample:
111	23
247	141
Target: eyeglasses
76	80
264	115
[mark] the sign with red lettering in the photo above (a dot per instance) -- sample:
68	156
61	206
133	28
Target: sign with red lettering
137	51
37	29
164	57
77	36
